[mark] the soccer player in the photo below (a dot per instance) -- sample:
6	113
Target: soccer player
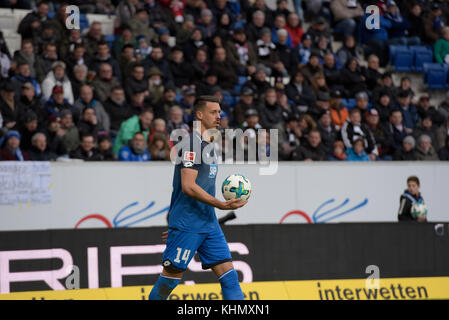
192	224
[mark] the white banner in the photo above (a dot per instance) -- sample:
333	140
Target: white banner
112	194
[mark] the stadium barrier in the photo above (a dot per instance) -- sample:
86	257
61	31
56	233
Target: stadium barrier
39	195
129	257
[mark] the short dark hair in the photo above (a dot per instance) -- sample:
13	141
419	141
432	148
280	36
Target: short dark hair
147	109
201	102
87	134
413	179
355	110
102	43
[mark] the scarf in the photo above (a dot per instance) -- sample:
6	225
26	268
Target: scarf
264	49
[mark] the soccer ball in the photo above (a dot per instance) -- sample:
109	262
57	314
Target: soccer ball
236	186
419	210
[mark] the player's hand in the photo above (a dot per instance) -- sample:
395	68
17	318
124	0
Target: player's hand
233	204
164	236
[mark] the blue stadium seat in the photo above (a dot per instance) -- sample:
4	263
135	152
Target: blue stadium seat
435	75
401	57
421	55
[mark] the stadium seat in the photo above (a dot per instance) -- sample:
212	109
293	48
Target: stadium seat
401	57
421	55
435	75
110	38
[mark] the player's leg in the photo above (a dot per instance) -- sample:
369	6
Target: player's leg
214	253
181	246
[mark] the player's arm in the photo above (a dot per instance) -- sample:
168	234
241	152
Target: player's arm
190	188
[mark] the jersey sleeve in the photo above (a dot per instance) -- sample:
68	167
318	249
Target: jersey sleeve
189	159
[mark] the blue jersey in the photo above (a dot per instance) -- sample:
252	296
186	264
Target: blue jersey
186	213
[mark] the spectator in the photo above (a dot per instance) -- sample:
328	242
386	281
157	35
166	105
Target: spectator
425	109
408	110
104	82
254	28
70	133
44	61
327	131
352	78
285	53
241	53
312	150
384	142
136	81
207	24
181	71
156	15
258	82
319	84
294	28
346	14
55	136
443	108
304	49
200	65
76	57
164	37
407	150
125	10
137	123
322	47
398	33
86	151
424	150
31	25
158	126
28	127
410	196
442	134
361	103
443	153
357	151
354	129
86	100
11	150
80	78
416	18
339	113
9	108
29	102
186	103
406	85
125	38
441	47
194	43
395	130
434	24
57	102
270	111
156	59
159	148
117	109
251	122
105	148
102	56
321	105
138	102
376	39
175	120
280	24
386	86
426	127
371	73
23	74
57	77
259	5
331	72
161	109
26	54
135	150
227	77
126	60
319	27
300	93
92	38
313	66
39	150
245	103
69	44
348	50
338	153
289	137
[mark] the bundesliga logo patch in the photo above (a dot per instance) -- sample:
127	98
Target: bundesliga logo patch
189	156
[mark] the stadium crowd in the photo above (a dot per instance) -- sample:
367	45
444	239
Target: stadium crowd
80	94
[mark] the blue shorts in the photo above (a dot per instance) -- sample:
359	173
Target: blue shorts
212	249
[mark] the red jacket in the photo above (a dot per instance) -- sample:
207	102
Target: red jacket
7	155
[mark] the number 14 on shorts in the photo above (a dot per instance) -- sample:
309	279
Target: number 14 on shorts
185	255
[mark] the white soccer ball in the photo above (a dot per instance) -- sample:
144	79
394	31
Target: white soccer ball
236	186
419	210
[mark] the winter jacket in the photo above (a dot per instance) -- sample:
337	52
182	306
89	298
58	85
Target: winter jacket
50	81
127	130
